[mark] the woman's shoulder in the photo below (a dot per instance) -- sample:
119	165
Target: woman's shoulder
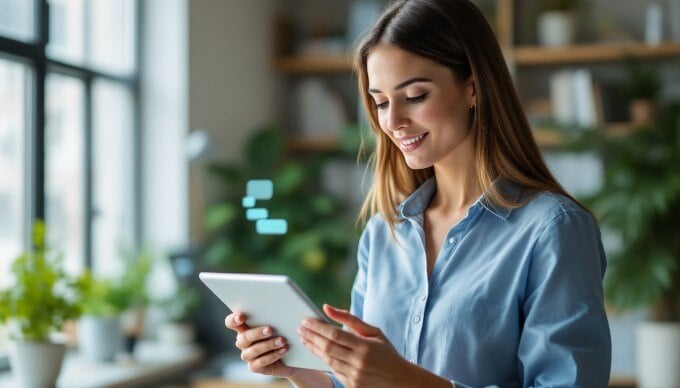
546	207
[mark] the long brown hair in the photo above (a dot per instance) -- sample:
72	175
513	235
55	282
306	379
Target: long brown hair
454	34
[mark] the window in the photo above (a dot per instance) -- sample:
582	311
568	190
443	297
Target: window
68	129
14	85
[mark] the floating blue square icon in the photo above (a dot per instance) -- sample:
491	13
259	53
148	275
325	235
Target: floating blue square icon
256	214
272	226
248	202
260	188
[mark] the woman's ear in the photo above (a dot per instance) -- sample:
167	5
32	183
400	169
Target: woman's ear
471	91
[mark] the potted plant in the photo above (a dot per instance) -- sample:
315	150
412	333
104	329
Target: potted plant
178	309
640	200
314	251
36	305
103	303
641	88
556	22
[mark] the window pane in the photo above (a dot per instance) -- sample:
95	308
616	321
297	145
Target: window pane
14	79
113	175
95	33
17	19
67	30
112	26
64	181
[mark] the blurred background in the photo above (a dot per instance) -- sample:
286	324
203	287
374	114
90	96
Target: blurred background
132	126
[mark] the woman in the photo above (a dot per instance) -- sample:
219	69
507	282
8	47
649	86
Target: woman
476	268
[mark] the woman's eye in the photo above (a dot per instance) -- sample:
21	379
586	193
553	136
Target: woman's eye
417	99
382	105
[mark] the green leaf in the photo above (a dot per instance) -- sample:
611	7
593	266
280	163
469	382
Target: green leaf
217	216
265	148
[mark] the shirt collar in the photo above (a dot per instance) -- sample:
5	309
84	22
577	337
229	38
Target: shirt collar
416	203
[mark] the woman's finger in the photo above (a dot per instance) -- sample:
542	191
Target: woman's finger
236	321
267	359
337	365
262	347
331	332
331	348
246	338
353	322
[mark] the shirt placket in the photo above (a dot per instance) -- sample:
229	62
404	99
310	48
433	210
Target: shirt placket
419	304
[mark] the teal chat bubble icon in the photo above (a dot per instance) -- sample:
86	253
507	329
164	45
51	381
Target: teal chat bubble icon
271	226
248	202
257	214
260	189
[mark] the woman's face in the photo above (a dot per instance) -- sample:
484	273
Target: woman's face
420	106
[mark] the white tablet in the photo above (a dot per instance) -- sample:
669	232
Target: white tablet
270	300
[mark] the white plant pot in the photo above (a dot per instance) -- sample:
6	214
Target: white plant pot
658	355
555	29
36	364
99	338
176	333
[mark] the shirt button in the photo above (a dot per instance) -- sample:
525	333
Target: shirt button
412	361
452	240
416	319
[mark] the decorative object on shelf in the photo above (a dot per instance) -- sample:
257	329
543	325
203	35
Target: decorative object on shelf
113	309
574	99
317	246
320	110
640	200
36	305
556	23
641	88
178	309
653	23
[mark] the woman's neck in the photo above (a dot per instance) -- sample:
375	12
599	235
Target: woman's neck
457	185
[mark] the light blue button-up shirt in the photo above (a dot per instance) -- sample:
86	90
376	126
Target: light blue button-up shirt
514	300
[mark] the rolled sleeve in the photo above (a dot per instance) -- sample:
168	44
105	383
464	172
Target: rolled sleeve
565	338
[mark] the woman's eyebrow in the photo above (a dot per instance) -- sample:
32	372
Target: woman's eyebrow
404	84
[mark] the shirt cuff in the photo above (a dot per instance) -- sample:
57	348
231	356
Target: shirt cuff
336	382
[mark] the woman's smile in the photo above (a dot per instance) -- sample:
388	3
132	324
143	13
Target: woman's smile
411	143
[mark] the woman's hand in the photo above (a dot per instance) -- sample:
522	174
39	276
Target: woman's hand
259	348
365	358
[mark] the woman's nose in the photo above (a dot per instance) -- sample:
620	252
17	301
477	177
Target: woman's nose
396	119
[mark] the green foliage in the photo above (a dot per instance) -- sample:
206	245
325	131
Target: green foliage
640	199
108	297
43	297
180	306
642	82
321	231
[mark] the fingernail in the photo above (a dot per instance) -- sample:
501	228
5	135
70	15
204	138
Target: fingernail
282	350
300	331
238	319
266	331
278	342
306	323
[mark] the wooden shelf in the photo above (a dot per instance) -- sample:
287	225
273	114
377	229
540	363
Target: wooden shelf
313	144
313	64
550	138
534	55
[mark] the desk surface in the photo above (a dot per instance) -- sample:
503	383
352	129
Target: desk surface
153	362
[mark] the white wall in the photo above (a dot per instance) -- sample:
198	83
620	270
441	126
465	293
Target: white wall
232	86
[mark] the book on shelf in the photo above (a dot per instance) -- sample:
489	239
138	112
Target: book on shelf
575	98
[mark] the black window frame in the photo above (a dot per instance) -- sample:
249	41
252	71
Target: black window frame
34	55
